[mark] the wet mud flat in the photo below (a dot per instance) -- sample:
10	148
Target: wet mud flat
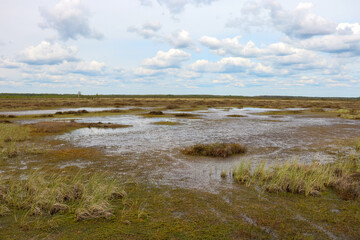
172	192
154	150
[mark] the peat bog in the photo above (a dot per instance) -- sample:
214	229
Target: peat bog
179	168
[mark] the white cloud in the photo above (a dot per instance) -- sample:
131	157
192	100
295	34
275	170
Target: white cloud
48	53
88	68
148	30
277	54
181	39
231	46
140	71
9	63
346	40
177	6
70	18
227	65
300	23
170	59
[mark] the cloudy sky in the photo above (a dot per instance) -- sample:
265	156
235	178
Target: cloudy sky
225	47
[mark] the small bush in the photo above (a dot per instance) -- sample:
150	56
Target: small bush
215	150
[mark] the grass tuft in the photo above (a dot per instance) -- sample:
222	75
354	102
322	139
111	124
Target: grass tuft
166	123
308	179
85	195
235	115
215	149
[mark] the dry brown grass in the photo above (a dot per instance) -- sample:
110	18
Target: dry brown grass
172	103
84	195
73	153
59	127
215	150
235	115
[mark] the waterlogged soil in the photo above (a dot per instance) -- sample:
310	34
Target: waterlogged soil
152	151
174	196
53	111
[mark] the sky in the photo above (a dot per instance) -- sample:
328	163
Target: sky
220	47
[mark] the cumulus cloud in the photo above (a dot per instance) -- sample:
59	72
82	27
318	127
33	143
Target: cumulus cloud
182	39
148	30
87	68
179	39
48	53
231	65
299	23
230	46
170	59
177	6
277	54
9	63
90	68
233	47
70	18
346	40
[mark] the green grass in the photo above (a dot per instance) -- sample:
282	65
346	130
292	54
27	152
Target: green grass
10	136
85	196
357	145
13	133
307	179
215	149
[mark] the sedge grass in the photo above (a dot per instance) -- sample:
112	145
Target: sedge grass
86	196
343	175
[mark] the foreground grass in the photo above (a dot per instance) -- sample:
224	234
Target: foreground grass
343	175
85	196
10	137
215	149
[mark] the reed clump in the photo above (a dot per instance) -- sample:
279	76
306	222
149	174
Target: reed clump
215	149
86	196
343	175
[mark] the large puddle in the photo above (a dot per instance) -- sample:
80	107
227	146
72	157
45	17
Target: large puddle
53	111
153	151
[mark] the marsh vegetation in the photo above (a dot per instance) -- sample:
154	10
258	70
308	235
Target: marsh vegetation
215	149
112	173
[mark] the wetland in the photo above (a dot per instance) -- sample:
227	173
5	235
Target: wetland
179	168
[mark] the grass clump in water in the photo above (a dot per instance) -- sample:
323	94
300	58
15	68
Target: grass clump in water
166	123
84	195
343	175
215	149
235	115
